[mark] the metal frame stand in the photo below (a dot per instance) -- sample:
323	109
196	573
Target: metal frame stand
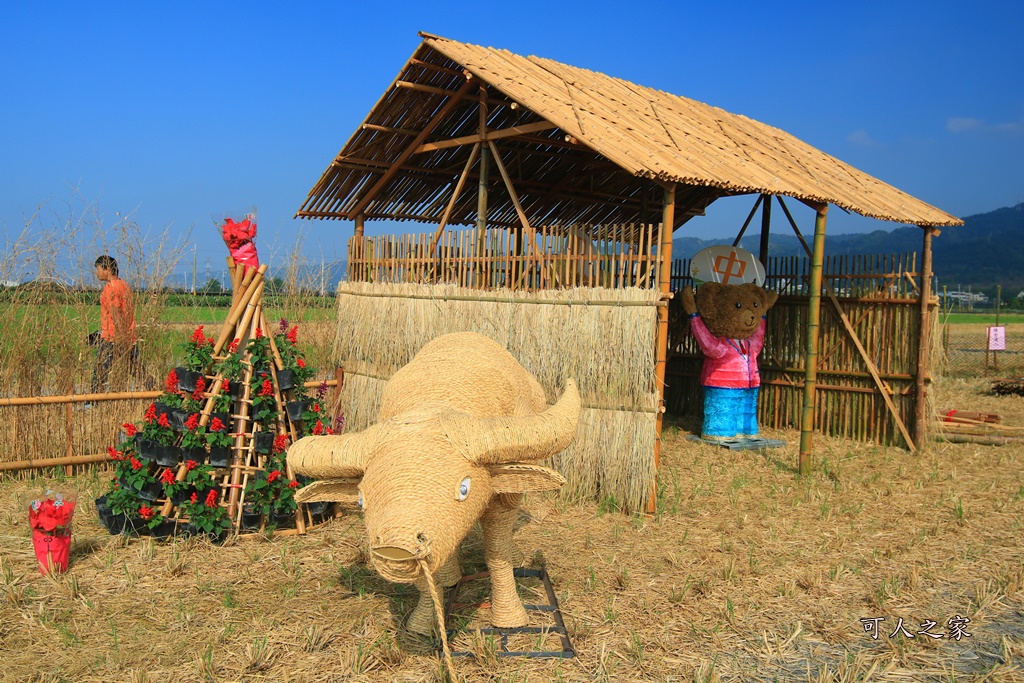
551	608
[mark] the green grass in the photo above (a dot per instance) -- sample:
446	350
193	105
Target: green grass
987	318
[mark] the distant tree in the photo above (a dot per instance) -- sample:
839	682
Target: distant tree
212	286
275	285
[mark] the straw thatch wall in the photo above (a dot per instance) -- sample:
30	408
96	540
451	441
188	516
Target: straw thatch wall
604	339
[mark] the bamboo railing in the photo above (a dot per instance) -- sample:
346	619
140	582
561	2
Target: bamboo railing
612	256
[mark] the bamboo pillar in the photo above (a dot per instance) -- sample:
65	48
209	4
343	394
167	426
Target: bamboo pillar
924	341
766	219
360	219
481	197
813	321
661	349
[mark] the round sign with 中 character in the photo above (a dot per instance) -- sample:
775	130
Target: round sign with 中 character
726	265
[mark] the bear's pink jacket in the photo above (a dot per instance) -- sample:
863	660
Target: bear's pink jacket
728	363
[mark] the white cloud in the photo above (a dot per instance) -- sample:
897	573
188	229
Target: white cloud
860	138
965	124
959	124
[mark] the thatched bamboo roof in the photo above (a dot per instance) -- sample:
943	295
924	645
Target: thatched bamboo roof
579	147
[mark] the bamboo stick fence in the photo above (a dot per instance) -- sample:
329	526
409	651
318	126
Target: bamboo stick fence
879	296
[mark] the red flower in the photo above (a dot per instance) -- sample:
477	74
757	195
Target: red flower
190	465
315	408
136	465
200	388
301	363
233	346
293	335
167	477
293	484
151	412
216	425
50	515
197	336
194	497
192	423
146	513
211	498
114	453
328	430
130	429
273	475
259	332
163	421
171	383
267	389
280	443
225	386
318	428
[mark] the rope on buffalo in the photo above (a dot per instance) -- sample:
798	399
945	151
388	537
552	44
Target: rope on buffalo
439	611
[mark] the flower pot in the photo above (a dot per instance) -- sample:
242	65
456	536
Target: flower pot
264	441
146	449
134	526
250	518
117	522
234	389
168	456
296	409
187	379
282	519
103	512
317	508
162	409
151	492
178	417
181	496
164	529
220	456
285	380
52	552
225	418
197	453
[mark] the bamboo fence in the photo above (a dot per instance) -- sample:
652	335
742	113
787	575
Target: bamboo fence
878	294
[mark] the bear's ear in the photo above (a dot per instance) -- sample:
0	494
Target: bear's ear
706	295
769	298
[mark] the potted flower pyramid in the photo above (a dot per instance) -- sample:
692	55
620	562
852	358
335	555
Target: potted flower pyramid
209	456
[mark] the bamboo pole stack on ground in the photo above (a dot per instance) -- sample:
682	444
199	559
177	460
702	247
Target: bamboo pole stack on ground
602	338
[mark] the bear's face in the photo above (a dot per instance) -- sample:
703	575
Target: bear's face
733	311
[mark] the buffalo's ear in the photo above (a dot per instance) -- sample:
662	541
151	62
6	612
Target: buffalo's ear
520	478
328	491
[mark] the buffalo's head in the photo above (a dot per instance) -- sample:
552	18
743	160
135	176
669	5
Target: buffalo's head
423	478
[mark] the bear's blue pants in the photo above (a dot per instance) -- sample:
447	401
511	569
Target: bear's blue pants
729	412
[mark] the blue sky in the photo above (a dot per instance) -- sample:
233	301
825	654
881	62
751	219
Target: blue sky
177	113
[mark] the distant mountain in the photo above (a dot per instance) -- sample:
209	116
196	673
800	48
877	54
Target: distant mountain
988	249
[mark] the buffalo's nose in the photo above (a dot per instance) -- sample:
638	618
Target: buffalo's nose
393	553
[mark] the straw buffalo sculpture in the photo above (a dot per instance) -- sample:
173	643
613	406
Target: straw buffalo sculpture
455	428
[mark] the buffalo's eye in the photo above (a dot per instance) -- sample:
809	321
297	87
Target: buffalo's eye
360	499
464	489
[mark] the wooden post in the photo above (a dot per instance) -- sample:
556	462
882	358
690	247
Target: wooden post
358	230
766	219
923	342
481	197
661	348
813	321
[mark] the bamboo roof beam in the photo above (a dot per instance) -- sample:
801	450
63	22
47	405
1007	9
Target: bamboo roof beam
488	136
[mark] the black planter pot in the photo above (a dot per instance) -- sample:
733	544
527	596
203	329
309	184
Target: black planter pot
234	389
116	523
187	379
103	512
317	508
178	417
225	418
196	454
146	449
182	496
250	518
296	409
285	380
151	492
162	409
220	456
164	529
282	520
168	456
264	441
134	526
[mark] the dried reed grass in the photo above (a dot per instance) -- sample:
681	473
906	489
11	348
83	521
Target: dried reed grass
607	349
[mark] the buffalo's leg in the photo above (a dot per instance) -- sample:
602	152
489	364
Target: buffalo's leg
423	619
506	608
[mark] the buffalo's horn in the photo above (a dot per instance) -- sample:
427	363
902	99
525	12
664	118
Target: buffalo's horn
332	457
515	439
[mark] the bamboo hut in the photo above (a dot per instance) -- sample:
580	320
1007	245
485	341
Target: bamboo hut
572	184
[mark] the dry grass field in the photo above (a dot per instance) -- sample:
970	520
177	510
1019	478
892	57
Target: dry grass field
745	573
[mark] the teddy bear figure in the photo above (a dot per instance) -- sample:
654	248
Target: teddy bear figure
728	322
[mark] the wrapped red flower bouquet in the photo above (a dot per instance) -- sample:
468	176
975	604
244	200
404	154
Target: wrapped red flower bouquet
49	516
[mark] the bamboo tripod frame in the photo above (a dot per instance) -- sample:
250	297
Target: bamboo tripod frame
244	319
